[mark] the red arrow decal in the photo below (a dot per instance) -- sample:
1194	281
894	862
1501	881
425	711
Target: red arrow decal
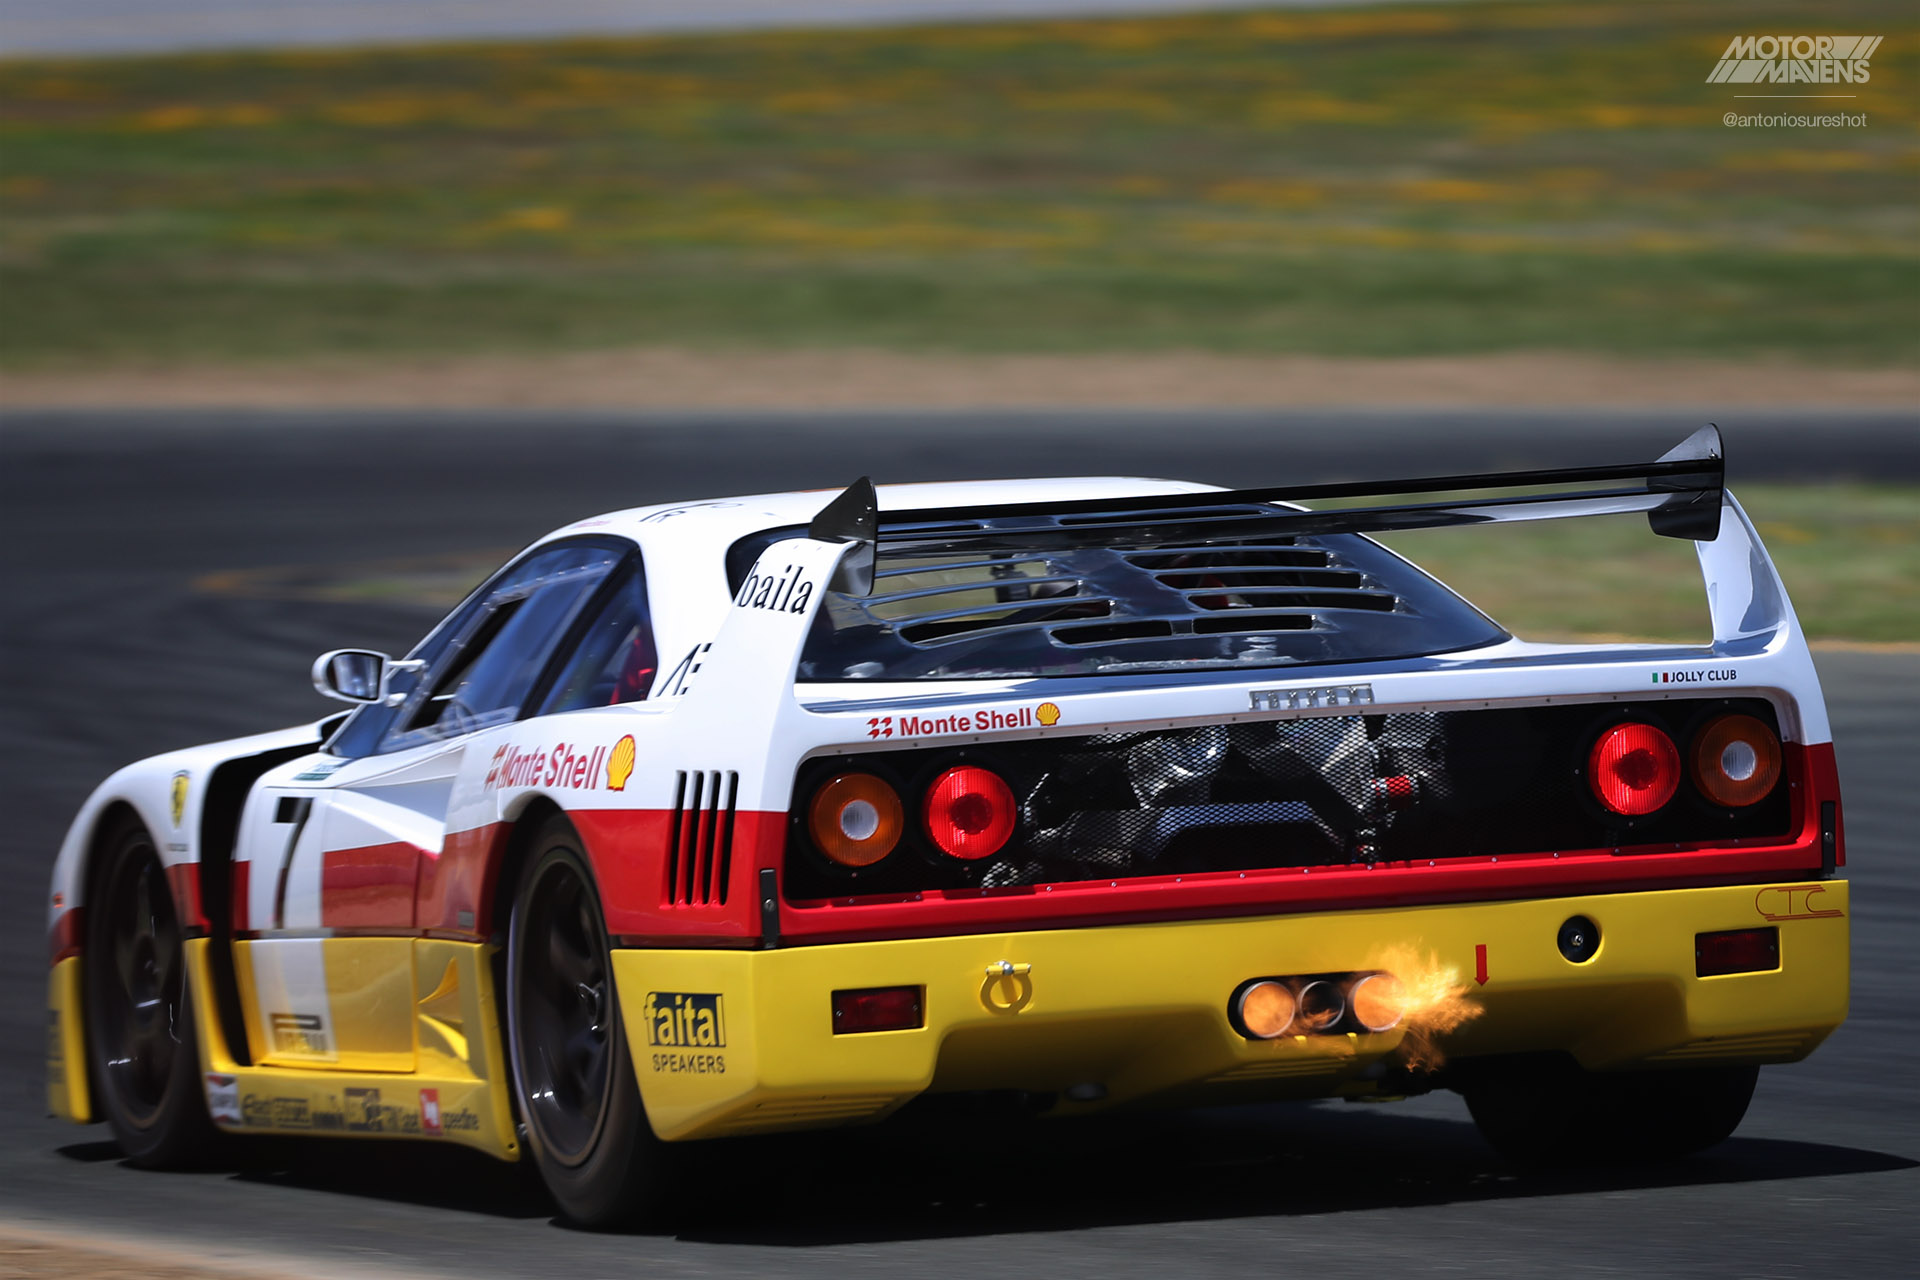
1480	964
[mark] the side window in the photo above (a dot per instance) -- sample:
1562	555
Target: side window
616	660
483	662
491	668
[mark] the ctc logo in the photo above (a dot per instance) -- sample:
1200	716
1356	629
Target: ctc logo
1794	902
1008	988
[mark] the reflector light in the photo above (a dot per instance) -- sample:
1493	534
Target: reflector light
1736	761
1322	1004
1265	1009
1396	792
1736	951
855	819
877	1009
1634	769
969	812
1379	1001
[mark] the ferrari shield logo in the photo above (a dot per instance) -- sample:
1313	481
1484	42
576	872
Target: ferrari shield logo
178	796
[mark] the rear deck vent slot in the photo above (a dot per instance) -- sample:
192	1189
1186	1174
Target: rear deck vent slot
1265	576
928	596
700	838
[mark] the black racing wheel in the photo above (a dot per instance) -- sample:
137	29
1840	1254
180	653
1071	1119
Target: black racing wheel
1570	1118
144	1062
572	1071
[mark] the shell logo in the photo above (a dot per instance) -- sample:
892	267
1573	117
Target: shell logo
1047	714
620	764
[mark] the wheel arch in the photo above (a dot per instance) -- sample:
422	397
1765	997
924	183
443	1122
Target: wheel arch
112	814
70	940
534	814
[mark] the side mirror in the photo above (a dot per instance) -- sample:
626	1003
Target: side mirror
352	675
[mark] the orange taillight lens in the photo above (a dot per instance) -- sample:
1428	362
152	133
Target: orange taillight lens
855	819
1736	761
1634	769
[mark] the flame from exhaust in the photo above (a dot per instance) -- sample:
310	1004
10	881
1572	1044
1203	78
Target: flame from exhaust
1433	1001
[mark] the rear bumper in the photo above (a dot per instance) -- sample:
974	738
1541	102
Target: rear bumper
1141	1010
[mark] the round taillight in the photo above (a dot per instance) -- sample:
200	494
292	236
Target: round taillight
1736	761
1634	769
855	819
969	812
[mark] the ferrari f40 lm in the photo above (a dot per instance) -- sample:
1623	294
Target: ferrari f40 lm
780	812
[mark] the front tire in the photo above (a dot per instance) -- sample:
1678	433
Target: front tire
143	1058
1571	1118
572	1071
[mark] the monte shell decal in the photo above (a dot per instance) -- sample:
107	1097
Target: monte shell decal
1043	716
570	766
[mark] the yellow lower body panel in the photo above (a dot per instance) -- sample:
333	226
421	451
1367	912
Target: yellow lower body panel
731	1042
67	1096
458	1090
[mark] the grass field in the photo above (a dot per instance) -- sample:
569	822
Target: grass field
1849	555
1387	181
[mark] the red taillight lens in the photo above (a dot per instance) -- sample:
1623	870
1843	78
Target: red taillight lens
855	819
1736	761
1736	951
969	812
1633	769
877	1009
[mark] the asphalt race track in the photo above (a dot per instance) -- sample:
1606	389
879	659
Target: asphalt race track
110	654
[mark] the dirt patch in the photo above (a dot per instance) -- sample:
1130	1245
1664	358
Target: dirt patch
45	1252
23	1258
670	378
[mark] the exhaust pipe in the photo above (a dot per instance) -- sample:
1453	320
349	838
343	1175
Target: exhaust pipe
1264	1009
1322	1005
1378	1001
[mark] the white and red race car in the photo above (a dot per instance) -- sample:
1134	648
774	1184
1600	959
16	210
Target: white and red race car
778	812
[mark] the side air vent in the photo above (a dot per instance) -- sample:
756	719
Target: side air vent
700	838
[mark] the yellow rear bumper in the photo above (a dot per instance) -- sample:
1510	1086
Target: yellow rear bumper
1103	1016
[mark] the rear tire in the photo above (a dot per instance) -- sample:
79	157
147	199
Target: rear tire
573	1074
1569	1117
143	1059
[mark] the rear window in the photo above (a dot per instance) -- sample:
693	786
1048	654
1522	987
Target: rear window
1212	604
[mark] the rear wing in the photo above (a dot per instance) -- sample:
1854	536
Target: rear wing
1680	492
836	561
